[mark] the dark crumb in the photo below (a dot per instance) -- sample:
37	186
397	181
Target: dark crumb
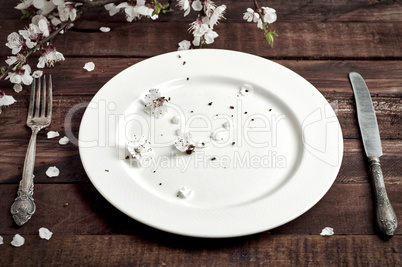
161	134
188	78
191	111
160	183
190	149
245	112
127	157
231	107
270	109
43	162
65	205
19	167
177	195
184	62
252	119
203	144
216	115
233	143
179	56
169	98
246	91
214	158
153	171
210	103
231	115
106	170
237	95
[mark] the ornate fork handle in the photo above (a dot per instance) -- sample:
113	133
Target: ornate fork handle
24	205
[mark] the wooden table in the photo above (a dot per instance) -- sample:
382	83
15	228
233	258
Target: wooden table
321	40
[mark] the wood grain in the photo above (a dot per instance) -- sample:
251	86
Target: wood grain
266	249
79	209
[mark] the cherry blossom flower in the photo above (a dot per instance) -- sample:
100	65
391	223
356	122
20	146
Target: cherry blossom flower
132	12
49	56
140	149
21	74
14	42
251	16
31	35
184	45
216	15
155	103
67	11
269	14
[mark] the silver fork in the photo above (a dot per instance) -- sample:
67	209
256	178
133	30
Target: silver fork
39	117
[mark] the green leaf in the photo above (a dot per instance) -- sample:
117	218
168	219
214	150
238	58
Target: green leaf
25	14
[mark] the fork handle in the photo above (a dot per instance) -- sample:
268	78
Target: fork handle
24	205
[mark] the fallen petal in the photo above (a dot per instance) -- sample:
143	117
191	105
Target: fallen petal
44	233
104	29
64	140
52	134
89	66
1	240
327	231
52	172
18	241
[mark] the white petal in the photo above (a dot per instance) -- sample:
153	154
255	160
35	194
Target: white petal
104	29
52	134
18	241
1	240
17	87
52	172
89	66
6	100
64	140
196	5
44	233
327	231
185	192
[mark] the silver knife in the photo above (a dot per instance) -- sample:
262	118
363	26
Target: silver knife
385	214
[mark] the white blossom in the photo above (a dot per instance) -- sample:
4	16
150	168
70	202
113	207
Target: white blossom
184	45
14	42
64	140
67	11
155	103
269	14
21	75
251	16
49	56
30	35
52	134
132	12
17	87
140	149
327	231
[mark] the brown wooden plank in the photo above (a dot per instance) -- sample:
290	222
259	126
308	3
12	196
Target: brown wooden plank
289	11
112	250
330	77
296	40
50	153
348	208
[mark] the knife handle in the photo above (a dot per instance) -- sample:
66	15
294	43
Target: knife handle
385	214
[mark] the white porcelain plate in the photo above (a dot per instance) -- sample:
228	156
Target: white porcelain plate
275	150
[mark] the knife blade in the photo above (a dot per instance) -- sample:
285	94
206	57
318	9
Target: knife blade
385	214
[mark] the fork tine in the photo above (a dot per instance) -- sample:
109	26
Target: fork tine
43	108
49	97
37	100
32	99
